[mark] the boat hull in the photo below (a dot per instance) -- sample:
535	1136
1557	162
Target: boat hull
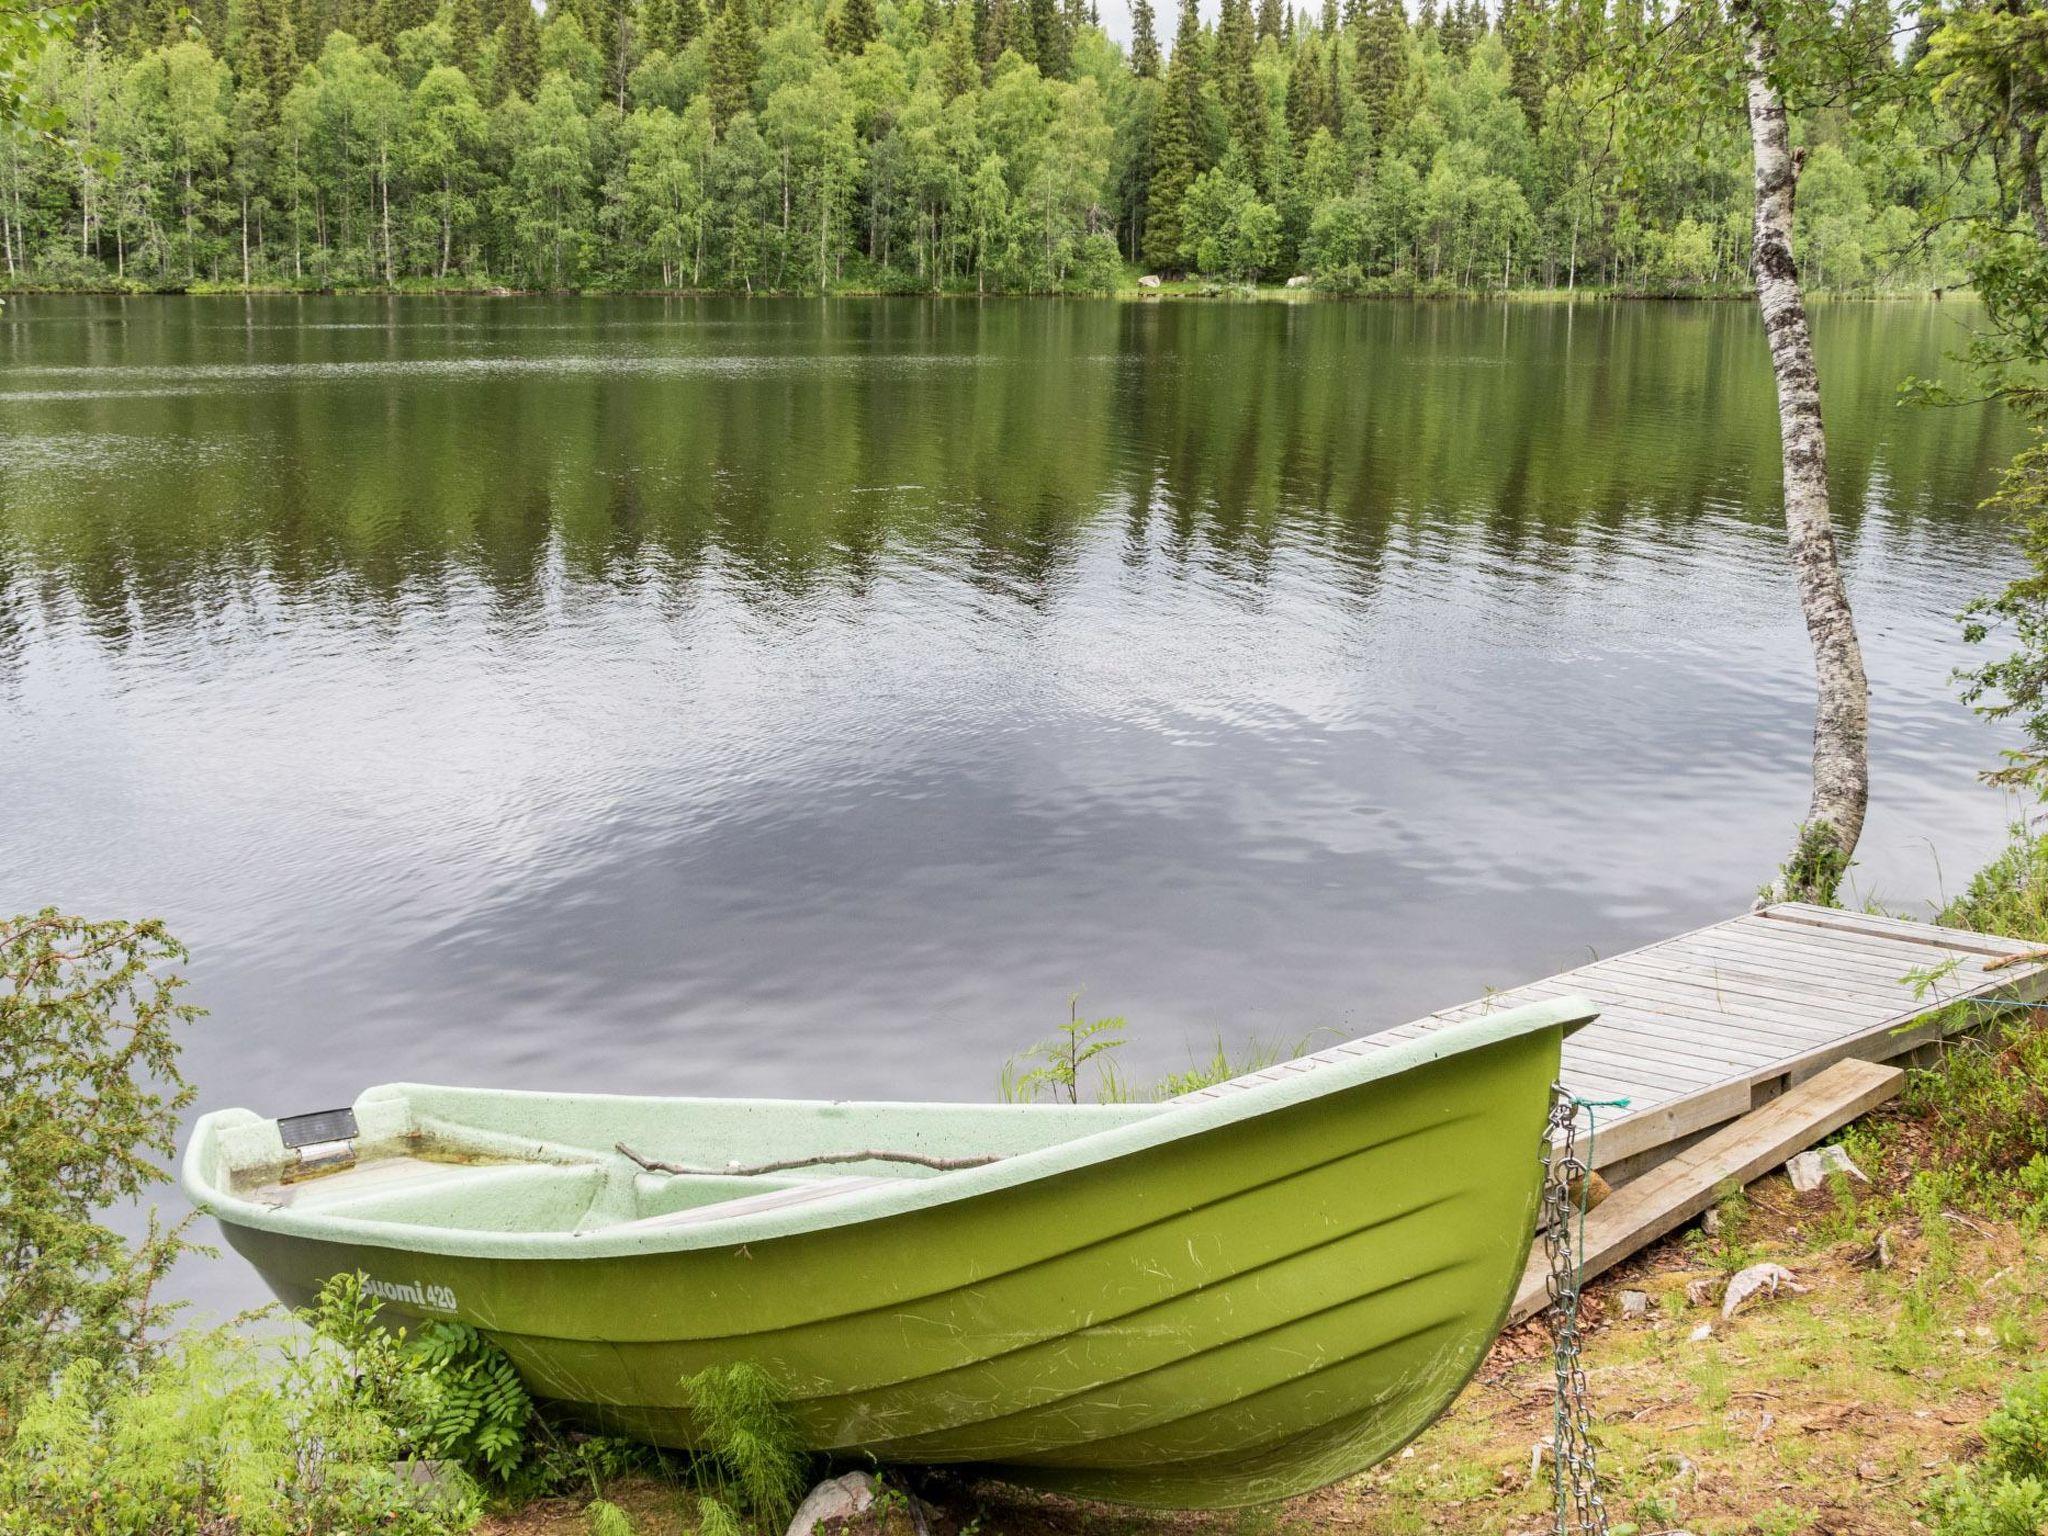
1223	1318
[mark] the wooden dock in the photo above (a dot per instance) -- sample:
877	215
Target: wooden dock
1699	1031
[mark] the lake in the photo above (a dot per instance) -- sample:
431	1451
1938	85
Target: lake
806	698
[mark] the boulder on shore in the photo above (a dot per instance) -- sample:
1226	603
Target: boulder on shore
1300	280
835	1499
1149	280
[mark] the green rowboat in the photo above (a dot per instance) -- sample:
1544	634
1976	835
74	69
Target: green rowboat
1206	1303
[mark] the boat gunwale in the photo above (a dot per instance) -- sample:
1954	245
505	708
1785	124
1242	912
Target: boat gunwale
1173	1122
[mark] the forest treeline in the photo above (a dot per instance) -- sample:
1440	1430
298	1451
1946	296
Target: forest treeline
925	145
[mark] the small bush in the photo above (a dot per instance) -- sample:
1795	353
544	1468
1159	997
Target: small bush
2006	1492
751	1459
90	1094
2009	895
2016	1436
1986	1103
220	1434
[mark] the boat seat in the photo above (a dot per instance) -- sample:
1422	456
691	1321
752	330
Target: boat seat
747	1205
372	1178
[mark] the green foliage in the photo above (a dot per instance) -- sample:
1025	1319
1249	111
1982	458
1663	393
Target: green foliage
1061	1059
1985	1104
601	1517
2009	895
1816	869
2006	1492
480	1412
750	1458
471	146
2016	1436
1220	1066
89	1101
222	1431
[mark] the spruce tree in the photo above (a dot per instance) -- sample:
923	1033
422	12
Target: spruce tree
734	58
851	27
1306	82
1176	143
1244	99
1014	30
266	55
1457	32
466	34
1049	33
1269	19
657	27
396	16
687	25
1523	32
1381	76
1144	42
962	70
518	72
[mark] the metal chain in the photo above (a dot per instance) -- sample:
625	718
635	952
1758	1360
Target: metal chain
1580	1511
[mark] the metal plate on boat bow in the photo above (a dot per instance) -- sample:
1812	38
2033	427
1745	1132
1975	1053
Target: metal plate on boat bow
321	1125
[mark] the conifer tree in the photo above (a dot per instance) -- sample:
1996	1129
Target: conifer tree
466	34
518	72
657	28
687	25
851	27
1457	31
1049	36
962	71
266	55
1381	75
1269	19
734	58
1306	82
395	16
609	26
1144	42
1176	143
1244	99
1522	31
1014	30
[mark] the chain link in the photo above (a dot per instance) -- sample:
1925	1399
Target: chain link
1580	1511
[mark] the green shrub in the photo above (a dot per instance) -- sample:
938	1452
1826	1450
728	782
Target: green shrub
2009	895
1986	1104
2016	1436
2006	1492
1967	1506
750	1459
221	1433
89	1100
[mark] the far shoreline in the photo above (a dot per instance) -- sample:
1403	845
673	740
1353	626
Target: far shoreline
1174	291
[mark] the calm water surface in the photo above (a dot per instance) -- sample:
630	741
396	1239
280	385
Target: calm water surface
801	698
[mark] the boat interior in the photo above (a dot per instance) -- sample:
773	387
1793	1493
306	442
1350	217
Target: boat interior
474	1160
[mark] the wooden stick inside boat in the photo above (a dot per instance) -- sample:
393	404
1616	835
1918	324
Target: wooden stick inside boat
943	1164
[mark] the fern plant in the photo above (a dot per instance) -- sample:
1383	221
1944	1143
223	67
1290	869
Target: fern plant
480	1410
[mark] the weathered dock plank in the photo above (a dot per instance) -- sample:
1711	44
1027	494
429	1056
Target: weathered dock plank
1677	1190
1698	1029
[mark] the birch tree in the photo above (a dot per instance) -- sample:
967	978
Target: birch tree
1841	729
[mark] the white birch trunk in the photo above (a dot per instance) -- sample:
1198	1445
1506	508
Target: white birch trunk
1841	730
